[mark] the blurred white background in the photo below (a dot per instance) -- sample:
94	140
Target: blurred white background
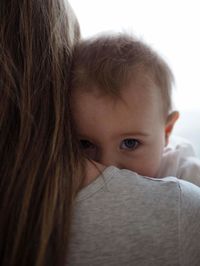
171	27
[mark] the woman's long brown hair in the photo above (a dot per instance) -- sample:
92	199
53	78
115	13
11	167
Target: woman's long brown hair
39	161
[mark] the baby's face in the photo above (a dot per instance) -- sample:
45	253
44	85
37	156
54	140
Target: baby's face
127	133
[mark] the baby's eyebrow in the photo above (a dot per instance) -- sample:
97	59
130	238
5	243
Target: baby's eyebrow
135	134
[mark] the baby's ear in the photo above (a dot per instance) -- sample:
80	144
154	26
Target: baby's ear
171	120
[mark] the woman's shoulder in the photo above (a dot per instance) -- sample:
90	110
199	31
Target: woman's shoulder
101	179
162	214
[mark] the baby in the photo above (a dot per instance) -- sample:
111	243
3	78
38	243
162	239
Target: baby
122	107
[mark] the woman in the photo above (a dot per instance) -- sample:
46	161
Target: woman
118	218
40	164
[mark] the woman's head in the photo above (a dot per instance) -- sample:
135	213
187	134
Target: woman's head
39	158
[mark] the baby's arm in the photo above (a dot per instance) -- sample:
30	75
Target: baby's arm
179	160
189	170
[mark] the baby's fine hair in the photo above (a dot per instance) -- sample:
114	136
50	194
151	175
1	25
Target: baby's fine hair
109	62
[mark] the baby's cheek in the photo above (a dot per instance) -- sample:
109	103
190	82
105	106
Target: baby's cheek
134	165
151	167
143	166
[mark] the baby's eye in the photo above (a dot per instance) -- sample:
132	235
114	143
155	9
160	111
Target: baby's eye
129	144
89	149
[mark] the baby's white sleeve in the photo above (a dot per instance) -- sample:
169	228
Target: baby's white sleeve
189	170
179	160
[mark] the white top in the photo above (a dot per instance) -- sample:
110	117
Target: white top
179	160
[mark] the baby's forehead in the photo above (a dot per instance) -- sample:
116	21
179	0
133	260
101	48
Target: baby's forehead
139	88
145	91
137	93
143	87
133	112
